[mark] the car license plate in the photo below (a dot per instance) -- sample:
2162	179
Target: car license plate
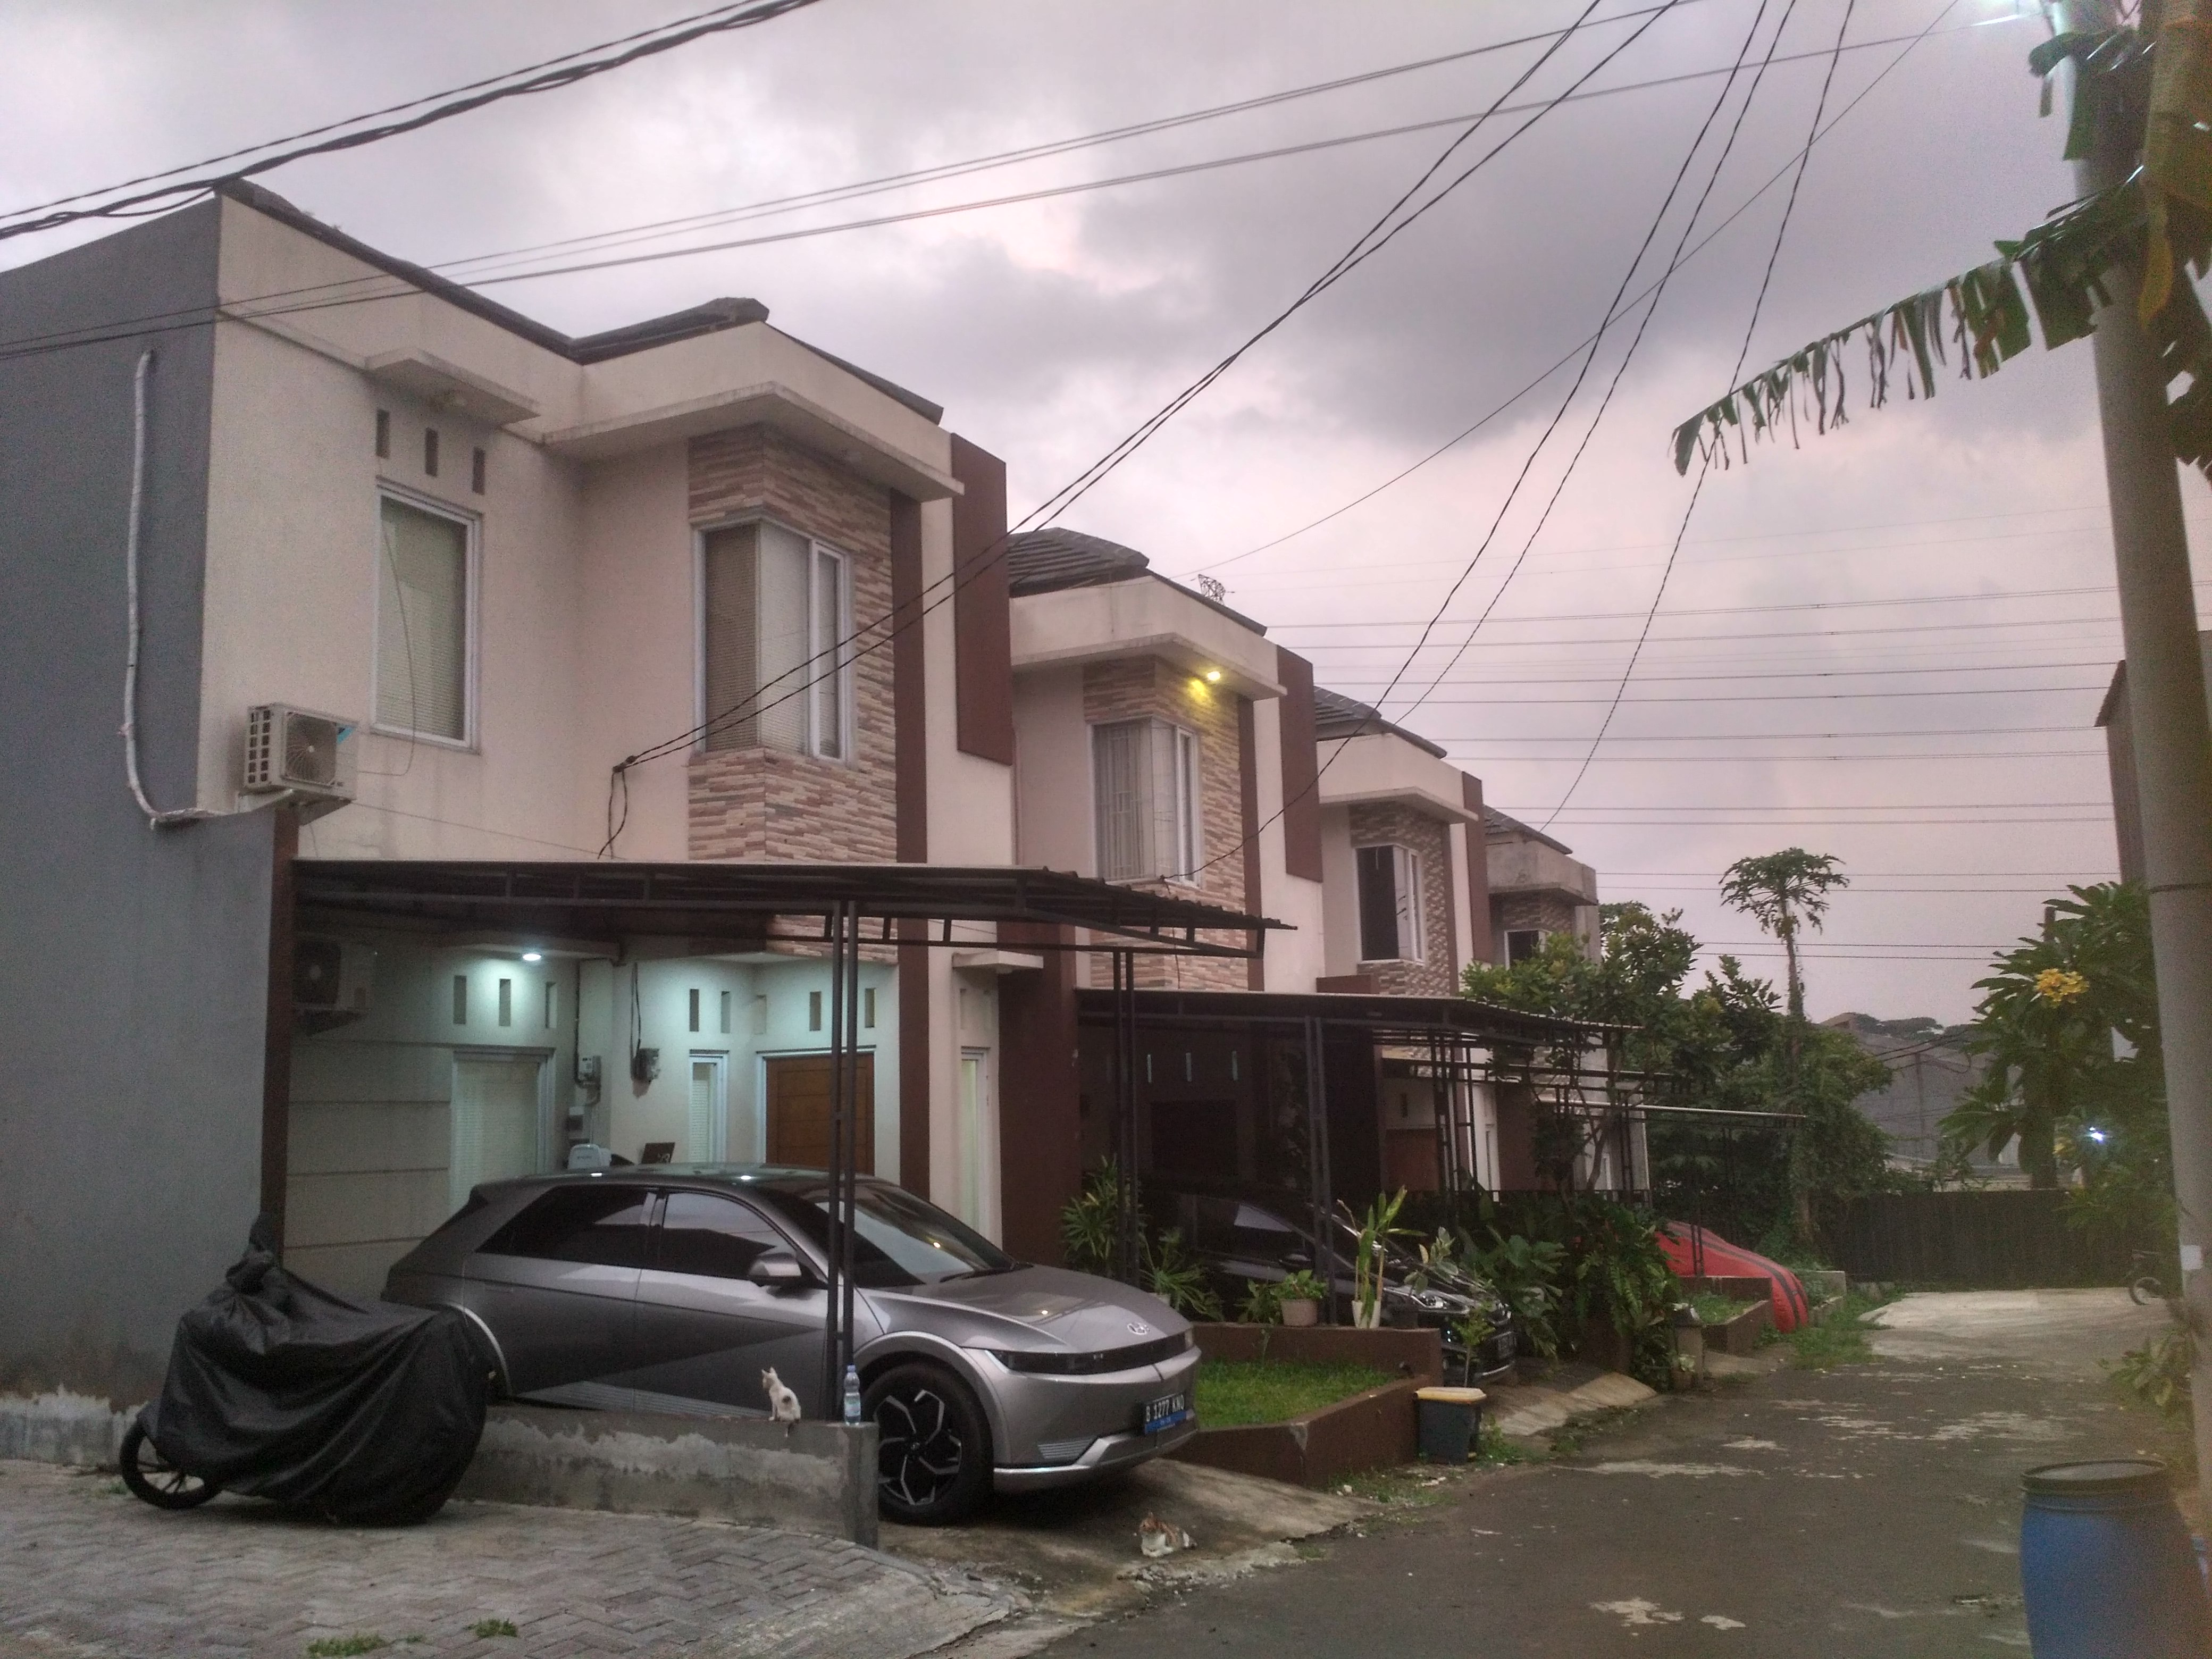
1166	1413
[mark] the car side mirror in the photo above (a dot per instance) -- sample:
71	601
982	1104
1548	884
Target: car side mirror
776	1270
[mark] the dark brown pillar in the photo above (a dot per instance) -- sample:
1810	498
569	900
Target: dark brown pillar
910	818
1040	1096
1481	947
277	1029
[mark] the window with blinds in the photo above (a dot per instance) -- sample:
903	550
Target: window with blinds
1144	788
774	613
422	620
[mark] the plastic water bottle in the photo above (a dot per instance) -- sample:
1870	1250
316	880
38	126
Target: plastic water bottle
852	1394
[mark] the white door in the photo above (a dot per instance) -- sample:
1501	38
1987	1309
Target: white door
496	1123
709	1109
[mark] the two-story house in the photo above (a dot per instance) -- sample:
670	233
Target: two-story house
690	594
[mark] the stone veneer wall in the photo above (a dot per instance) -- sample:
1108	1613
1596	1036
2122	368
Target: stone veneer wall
1393	822
1550	911
766	803
1145	687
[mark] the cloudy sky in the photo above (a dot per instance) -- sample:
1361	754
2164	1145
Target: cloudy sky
1888	644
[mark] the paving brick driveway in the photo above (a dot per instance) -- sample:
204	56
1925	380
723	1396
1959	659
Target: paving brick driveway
86	1568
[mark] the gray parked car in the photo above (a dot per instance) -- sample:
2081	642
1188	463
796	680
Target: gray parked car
671	1288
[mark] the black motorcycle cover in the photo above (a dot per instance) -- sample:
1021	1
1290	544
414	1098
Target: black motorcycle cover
277	1388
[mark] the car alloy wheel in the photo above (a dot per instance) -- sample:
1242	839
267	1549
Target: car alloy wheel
933	1456
153	1478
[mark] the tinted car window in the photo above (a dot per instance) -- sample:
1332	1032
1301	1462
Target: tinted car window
606	1225
701	1233
1261	1234
898	1239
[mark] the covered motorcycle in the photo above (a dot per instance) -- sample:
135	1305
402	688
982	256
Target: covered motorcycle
363	1411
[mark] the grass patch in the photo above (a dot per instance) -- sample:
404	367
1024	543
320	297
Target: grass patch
1714	1308
1232	1393
485	1629
1495	1451
343	1647
1841	1339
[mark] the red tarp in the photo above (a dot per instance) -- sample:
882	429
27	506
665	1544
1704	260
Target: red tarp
1684	1243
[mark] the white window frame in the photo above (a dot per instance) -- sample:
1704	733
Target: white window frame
1188	834
817	550
472	605
1410	894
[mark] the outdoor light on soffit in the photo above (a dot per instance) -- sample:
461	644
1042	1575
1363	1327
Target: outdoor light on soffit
533	956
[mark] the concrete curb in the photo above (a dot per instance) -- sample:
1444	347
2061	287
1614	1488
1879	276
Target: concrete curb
801	1477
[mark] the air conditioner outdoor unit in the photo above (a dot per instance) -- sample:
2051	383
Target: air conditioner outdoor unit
331	981
296	752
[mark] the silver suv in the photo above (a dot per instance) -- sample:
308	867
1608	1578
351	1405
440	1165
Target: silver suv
672	1288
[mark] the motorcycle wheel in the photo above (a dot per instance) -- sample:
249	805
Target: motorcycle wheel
153	1480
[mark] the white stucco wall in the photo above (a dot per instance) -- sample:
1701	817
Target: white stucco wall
1052	748
1294	959
1340	893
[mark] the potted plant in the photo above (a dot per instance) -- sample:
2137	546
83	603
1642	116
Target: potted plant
1300	1298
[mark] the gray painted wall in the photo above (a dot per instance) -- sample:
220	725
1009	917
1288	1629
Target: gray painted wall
133	964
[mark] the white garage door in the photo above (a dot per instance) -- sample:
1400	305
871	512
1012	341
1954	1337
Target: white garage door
495	1122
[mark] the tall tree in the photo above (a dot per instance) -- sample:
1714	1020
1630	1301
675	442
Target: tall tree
1783	892
2046	1021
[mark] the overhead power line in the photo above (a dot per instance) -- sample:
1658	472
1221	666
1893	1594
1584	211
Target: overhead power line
548	76
371	289
1757	305
1394	221
1569	355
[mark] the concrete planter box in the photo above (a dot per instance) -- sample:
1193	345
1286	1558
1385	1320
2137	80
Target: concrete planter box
1372	1431
1742	1334
1825	1284
1375	1430
804	1477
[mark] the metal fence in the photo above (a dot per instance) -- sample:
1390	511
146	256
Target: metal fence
2001	1239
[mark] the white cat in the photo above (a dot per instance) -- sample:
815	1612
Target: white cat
782	1403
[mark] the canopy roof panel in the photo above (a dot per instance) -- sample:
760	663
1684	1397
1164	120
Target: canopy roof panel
738	902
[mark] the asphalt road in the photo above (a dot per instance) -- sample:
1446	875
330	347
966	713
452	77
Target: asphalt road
1868	1510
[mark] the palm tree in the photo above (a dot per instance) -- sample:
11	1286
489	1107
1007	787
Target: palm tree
1783	892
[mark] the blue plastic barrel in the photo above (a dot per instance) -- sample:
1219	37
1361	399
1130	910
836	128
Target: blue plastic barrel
2107	1566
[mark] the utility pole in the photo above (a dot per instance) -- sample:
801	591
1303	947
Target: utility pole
2169	729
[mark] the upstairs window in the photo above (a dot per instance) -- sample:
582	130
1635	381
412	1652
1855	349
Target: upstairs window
1523	945
1390	905
776	670
424	613
1145	784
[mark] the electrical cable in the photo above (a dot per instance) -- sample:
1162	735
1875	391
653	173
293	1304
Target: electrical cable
1911	42
1621	369
1613	311
1758	304
1765	610
155	818
856	189
556	74
1369	243
387	287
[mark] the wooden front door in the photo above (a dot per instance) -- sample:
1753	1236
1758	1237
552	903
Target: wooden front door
799	1111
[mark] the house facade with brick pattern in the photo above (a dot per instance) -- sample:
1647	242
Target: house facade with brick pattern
688	591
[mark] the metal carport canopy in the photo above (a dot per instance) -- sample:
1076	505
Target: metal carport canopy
1416	1018
737	901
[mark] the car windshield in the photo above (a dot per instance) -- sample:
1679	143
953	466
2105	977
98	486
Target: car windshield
899	1239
